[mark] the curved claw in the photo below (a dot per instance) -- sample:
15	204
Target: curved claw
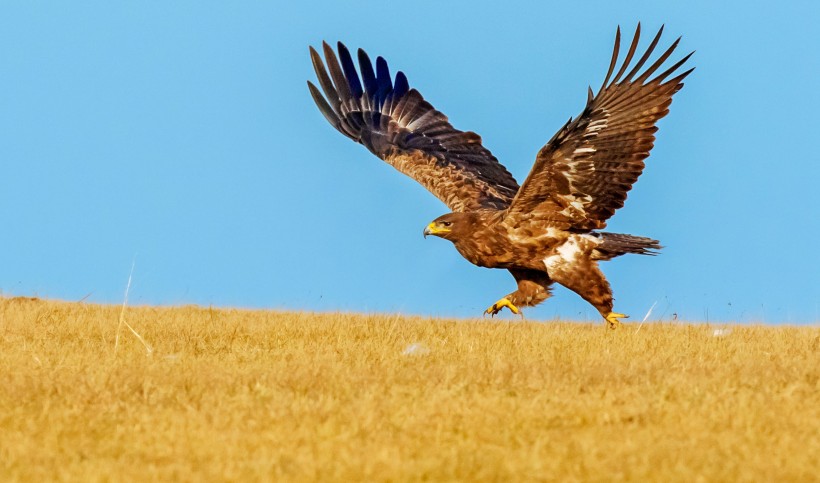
496	308
612	319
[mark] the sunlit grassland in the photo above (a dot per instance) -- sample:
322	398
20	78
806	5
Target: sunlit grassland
265	395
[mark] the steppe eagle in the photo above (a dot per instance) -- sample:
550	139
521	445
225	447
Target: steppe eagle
546	230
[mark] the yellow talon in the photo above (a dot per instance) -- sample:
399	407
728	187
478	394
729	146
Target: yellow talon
496	307
612	319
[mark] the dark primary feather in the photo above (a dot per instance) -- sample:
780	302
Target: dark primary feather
383	78
395	123
582	175
350	72
371	86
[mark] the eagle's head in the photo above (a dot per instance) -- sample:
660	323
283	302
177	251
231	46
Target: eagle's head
449	226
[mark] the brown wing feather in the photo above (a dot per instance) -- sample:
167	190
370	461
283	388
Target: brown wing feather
582	175
399	126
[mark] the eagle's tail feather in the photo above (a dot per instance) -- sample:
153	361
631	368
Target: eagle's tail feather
617	244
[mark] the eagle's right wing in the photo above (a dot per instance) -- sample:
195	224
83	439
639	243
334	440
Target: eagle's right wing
582	175
399	126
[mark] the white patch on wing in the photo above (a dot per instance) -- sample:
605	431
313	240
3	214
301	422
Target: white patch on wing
595	240
564	254
569	249
552	261
584	151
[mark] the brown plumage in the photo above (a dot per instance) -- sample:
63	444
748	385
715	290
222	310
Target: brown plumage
546	230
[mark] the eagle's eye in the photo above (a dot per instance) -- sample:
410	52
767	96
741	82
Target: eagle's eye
446	223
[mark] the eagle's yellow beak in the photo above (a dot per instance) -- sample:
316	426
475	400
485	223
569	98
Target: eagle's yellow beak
434	229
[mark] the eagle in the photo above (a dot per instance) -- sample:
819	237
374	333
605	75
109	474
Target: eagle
547	230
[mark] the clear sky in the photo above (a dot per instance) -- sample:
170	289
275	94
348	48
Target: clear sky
180	136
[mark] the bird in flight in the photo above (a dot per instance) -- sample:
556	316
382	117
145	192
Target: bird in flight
548	229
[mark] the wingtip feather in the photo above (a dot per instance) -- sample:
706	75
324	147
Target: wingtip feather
400	86
659	61
662	76
353	82
324	80
323	105
383	78
614	57
336	73
632	48
645	56
368	76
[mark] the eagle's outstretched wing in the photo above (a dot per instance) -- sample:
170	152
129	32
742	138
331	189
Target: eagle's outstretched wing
582	175
399	126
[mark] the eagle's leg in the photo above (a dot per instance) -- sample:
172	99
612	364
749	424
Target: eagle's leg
612	319
533	288
504	302
586	279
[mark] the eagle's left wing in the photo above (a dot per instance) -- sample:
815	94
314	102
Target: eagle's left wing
396	124
582	175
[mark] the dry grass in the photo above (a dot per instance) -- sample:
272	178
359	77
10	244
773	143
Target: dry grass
260	395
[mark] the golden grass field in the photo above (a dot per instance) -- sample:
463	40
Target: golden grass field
263	395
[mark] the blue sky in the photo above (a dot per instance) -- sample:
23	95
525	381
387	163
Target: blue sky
180	136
